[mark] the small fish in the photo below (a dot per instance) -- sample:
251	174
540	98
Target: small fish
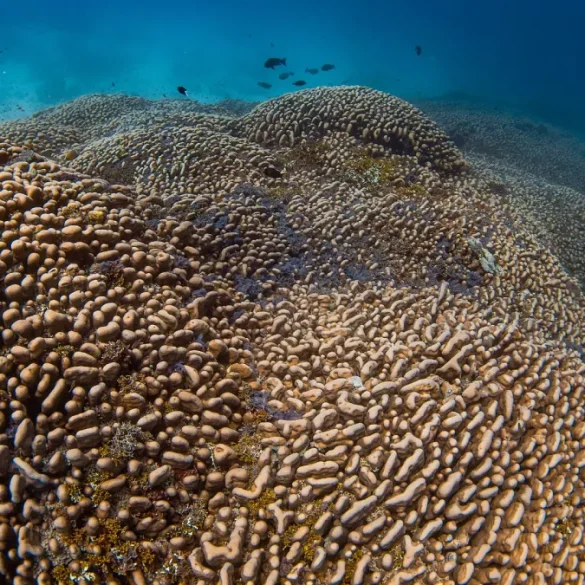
113	84
299	83
312	71
272	45
274	62
264	85
418	50
285	75
327	67
182	90
272	172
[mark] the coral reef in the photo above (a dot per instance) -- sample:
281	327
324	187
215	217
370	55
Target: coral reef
502	135
365	370
369	115
537	168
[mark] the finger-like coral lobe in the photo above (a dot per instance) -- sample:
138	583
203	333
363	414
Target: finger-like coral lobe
361	369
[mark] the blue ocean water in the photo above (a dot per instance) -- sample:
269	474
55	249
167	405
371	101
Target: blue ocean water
526	53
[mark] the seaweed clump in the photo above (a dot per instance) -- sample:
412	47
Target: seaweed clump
125	442
268	497
248	448
116	351
310	154
284	192
259	401
112	271
116	555
366	170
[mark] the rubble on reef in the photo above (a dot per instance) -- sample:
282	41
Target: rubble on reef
364	370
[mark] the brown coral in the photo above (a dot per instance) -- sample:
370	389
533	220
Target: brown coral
322	387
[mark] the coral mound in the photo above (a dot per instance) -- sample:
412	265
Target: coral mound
245	361
531	146
90	111
370	115
543	169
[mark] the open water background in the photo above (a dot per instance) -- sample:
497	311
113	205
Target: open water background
526	54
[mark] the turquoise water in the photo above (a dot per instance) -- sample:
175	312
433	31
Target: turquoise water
528	54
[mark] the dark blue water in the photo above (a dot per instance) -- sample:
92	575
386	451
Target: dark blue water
529	54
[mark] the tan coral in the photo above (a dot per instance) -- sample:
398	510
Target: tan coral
320	387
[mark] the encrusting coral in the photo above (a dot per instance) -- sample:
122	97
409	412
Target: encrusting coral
361	371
